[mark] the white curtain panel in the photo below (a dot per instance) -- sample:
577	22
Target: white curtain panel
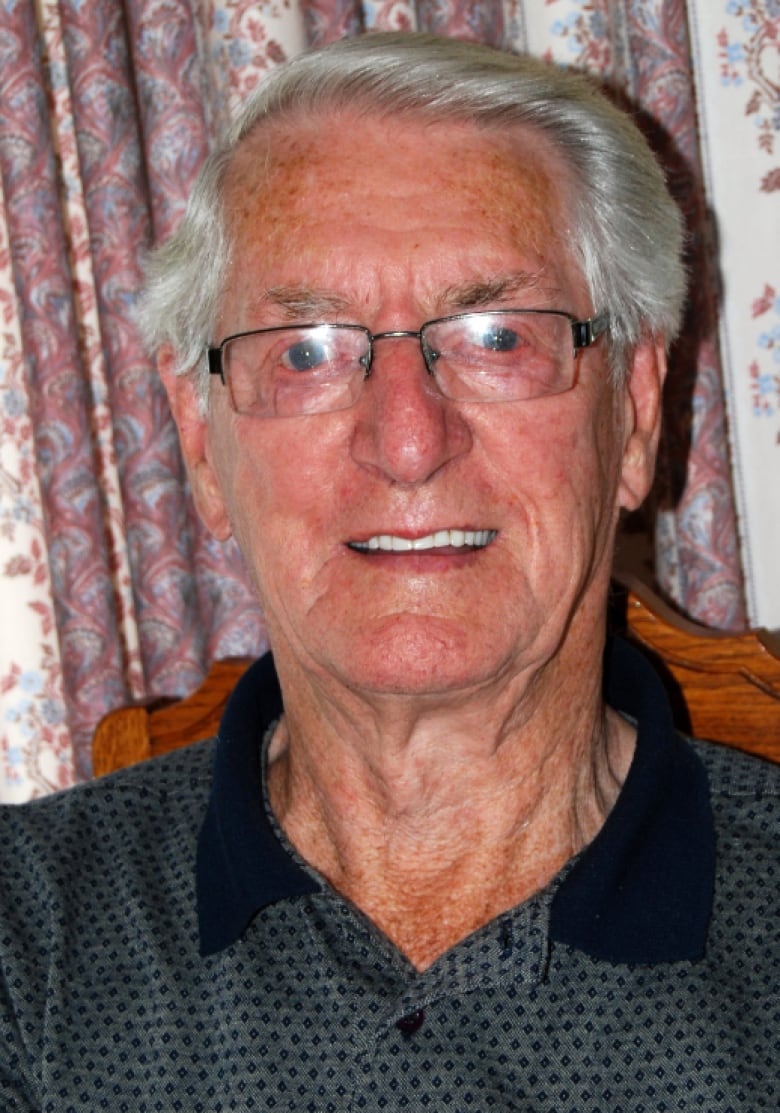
736	54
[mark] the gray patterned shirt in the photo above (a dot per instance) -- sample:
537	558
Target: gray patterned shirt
163	948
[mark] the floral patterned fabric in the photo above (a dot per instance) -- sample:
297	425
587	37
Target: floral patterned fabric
736	55
110	590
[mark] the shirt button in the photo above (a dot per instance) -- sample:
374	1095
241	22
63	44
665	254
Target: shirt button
409	1024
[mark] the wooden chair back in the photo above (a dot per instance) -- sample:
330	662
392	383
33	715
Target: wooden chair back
724	687
140	731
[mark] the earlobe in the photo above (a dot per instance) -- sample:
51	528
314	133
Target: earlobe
194	437
642	394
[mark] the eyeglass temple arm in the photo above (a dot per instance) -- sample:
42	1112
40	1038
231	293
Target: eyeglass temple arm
586	332
215	362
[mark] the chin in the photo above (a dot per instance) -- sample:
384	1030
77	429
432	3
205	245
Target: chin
420	657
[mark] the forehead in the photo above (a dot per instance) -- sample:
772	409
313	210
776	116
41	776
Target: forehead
449	202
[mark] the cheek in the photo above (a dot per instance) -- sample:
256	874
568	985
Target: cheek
283	495
561	469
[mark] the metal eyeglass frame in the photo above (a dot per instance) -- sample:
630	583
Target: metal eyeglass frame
583	332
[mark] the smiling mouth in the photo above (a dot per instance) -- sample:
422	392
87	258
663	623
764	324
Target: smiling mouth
441	539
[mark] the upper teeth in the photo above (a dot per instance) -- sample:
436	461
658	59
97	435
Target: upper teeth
442	538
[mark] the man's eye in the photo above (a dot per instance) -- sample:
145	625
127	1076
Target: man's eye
306	355
499	338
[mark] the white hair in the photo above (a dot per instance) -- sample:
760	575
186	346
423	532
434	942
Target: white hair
626	231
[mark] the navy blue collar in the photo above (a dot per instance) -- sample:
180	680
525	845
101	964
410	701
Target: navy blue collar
241	865
641	892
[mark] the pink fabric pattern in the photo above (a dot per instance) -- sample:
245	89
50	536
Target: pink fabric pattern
462	19
698	563
326	21
735	50
244	40
59	405
765	387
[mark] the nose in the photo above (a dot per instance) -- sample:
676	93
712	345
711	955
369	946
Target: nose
405	429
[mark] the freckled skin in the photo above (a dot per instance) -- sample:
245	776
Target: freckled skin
340	211
461	693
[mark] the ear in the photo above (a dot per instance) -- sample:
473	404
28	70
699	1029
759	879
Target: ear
195	439
642	399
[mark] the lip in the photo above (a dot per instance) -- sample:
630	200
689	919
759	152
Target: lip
452	540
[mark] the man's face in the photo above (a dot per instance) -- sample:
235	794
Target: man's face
388	224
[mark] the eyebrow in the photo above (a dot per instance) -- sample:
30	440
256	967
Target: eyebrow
301	301
472	295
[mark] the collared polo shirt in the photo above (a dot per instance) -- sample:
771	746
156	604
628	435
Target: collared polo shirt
164	948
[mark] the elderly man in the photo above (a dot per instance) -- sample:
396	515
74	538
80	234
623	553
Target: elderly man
446	853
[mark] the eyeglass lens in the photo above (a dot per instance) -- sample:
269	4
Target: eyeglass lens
500	357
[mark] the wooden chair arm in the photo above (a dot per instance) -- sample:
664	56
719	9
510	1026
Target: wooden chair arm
730	683
137	732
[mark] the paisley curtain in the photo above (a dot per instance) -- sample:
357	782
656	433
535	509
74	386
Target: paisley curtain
109	588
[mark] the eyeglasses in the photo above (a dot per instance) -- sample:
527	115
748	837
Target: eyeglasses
505	355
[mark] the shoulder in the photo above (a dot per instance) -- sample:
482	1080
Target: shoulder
736	779
744	794
745	801
92	881
138	819
178	780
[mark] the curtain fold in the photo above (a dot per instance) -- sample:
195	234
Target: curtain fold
64	570
696	530
734	60
110	589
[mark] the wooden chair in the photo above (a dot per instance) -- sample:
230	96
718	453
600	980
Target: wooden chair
722	686
140	731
